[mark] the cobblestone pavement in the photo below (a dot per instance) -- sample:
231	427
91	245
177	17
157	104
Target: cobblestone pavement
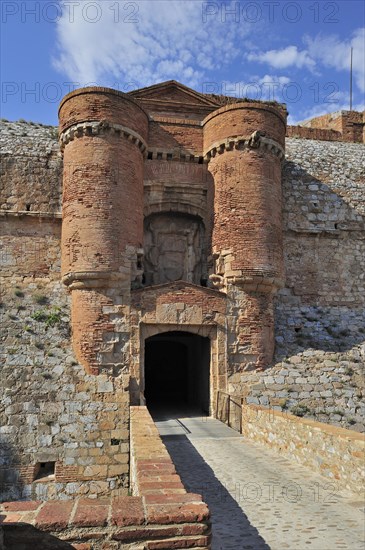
257	499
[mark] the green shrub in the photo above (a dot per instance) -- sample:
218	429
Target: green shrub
50	318
300	410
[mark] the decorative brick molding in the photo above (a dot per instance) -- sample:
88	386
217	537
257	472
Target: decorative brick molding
336	453
159	153
255	141
97	128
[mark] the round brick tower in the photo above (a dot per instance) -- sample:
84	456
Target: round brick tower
103	136
244	146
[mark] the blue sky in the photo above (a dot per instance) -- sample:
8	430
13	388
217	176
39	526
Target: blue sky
295	52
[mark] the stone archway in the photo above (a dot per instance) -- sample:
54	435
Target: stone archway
216	345
177	371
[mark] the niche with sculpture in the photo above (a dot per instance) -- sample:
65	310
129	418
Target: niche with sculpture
174	249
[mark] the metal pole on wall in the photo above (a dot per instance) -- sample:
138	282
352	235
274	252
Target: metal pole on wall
351	79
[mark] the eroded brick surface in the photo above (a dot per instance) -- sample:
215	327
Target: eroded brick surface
54	515
91	513
127	511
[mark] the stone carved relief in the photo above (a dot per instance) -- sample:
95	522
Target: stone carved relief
174	249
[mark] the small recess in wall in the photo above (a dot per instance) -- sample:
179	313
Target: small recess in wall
45	471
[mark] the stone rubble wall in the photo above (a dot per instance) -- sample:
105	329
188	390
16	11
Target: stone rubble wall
51	411
30	167
318	369
335	453
322	385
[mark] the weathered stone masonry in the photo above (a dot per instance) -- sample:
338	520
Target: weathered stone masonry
159	185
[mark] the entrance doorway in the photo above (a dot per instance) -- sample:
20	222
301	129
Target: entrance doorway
177	368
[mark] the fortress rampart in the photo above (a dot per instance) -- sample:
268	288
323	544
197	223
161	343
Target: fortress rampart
205	232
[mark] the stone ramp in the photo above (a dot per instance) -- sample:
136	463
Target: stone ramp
258	500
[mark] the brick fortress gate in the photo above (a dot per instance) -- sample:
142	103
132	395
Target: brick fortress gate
171	228
172	261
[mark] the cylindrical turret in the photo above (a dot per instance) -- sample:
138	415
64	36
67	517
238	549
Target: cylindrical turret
244	146
103	135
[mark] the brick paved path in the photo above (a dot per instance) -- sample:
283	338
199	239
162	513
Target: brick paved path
258	500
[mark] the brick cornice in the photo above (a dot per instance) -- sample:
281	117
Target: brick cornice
95	128
176	154
254	141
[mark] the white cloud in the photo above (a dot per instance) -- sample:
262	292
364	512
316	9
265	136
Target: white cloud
334	53
266	88
286	57
166	40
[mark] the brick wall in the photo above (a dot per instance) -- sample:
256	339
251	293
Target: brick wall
304	132
153	477
349	124
93	104
186	135
106	524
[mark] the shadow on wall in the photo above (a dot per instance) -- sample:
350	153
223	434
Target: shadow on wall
11	487
21	536
231	527
322	306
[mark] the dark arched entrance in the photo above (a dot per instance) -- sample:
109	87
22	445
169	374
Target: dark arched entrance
177	371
